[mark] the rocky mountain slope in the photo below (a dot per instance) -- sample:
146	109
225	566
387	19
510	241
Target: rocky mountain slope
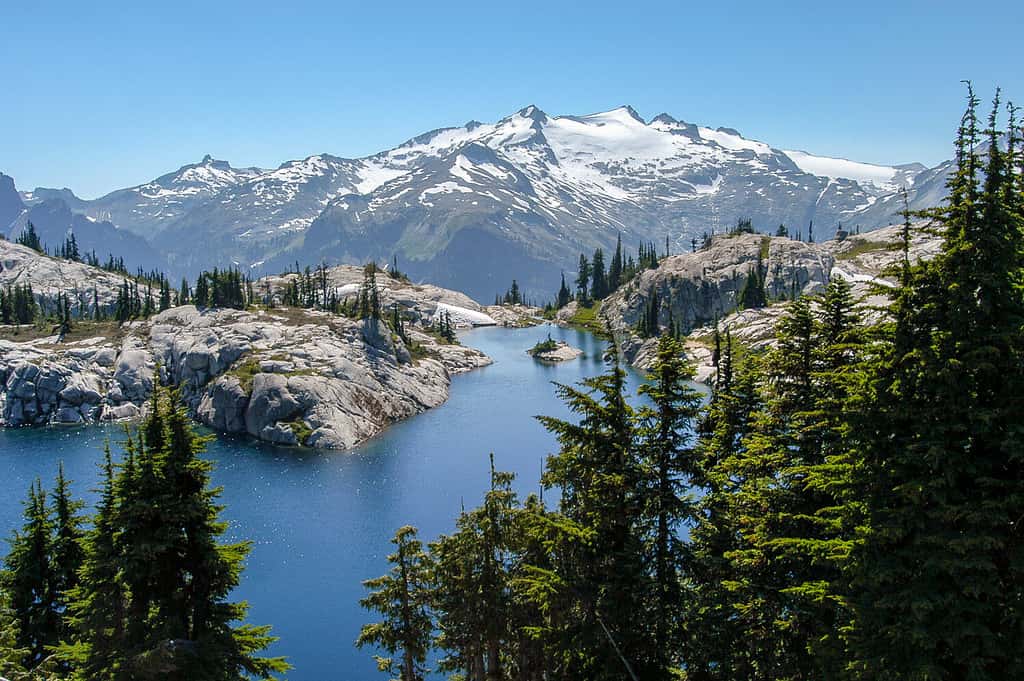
472	207
283	375
696	289
50	277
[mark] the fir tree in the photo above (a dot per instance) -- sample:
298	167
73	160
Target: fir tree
28	581
615	268
152	602
671	466
402	598
583	280
937	576
598	277
564	294
30	238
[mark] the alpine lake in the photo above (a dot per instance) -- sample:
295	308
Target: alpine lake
321	521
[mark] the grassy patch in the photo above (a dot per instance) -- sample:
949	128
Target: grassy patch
588	319
81	329
301	431
765	246
245	370
420	351
861	246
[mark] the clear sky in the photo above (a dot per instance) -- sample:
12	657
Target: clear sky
101	95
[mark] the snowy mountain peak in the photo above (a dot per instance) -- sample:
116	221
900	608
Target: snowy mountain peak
533	113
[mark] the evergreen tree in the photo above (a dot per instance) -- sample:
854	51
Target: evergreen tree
165	615
598	472
671	467
598	277
28	581
564	294
12	656
402	598
615	268
30	238
583	280
66	550
936	579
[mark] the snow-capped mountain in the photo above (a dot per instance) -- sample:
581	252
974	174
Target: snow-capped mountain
148	208
473	206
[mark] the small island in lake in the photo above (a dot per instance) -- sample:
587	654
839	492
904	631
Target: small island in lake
551	350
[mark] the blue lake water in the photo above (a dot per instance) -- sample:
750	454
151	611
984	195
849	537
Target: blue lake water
321	521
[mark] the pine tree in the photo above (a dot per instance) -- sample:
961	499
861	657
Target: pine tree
402	598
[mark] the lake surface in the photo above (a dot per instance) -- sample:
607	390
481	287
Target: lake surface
321	521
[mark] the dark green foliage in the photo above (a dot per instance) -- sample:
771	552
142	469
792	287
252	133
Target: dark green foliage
583	280
514	297
598	277
564	294
368	303
445	328
543	346
937	578
743	226
18	304
41	570
28	581
30	238
615	268
69	249
647	325
402	597
753	295
220	288
670	466
152	598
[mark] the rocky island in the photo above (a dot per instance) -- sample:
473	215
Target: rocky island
552	350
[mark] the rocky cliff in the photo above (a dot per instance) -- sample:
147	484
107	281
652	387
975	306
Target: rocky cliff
693	290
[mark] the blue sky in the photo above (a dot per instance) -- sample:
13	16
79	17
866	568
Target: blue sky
98	96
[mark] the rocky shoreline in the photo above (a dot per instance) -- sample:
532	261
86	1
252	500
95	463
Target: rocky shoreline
291	377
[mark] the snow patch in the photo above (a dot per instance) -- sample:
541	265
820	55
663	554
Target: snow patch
463	317
841	168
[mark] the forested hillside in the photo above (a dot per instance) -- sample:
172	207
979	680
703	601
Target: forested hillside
847	504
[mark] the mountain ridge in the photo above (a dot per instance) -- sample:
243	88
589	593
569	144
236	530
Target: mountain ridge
545	187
